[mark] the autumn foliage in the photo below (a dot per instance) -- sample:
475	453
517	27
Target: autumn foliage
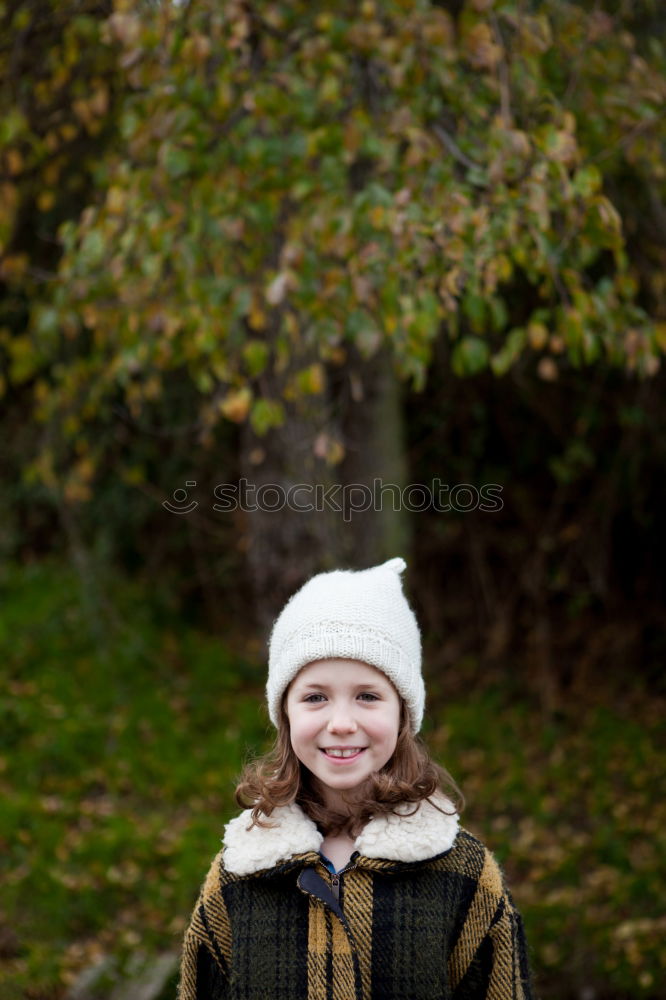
282	181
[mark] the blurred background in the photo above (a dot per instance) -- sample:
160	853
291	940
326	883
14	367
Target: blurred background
292	286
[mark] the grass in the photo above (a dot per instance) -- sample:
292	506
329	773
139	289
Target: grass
121	735
571	807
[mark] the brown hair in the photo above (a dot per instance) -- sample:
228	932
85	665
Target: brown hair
279	778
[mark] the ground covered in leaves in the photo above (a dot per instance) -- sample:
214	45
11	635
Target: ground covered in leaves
121	733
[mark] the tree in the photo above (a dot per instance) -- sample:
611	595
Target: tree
297	189
60	88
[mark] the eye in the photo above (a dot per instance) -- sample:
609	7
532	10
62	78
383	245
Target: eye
313	699
368	696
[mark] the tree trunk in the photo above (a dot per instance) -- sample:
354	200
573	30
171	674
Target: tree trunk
375	460
285	543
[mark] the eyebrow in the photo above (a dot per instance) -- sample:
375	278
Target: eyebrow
327	687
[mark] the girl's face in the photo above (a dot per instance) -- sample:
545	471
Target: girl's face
344	718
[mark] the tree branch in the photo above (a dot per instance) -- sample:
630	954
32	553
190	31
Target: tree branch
455	150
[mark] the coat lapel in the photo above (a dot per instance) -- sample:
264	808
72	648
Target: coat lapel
410	834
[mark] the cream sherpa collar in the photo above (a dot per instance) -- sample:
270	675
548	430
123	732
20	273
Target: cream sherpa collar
396	837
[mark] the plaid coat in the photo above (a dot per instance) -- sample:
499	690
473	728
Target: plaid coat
421	912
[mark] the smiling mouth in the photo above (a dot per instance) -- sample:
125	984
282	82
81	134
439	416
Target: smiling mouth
342	753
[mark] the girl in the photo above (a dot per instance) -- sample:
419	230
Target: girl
349	877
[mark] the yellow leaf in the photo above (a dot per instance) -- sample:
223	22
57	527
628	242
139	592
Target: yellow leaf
332	280
77	492
51	173
504	267
41	390
608	214
152	388
68	131
116	199
438	29
45	200
537	334
482	51
14	161
311	380
90	315
352	136
81	110
569	122
98	102
330	89
41	470
562	147
452	281
85	469
377	216
236	404
336	355
256	318
197	48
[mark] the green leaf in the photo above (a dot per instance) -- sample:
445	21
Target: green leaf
474	307
266	413
12	124
47	322
256	355
587	181
92	248
469	356
510	351
177	162
499	314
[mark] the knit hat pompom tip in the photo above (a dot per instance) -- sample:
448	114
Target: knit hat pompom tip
397	564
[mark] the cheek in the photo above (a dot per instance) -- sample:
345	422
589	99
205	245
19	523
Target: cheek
385	730
303	728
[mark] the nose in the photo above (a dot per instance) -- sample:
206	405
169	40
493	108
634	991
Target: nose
341	720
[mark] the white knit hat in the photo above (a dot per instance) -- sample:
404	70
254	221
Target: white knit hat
357	615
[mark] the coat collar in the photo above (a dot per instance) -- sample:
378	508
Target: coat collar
401	836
